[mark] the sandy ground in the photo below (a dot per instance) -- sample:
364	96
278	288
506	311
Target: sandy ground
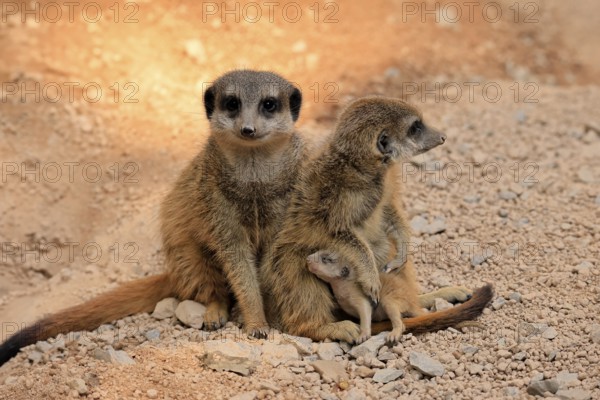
512	198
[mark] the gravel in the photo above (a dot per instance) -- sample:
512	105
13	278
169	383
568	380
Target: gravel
544	238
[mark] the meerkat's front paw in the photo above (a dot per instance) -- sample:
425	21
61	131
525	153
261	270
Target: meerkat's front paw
394	336
362	338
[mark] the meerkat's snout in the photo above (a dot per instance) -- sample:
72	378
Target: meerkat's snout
248	131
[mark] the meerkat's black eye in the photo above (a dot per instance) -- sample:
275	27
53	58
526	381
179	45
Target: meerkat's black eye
270	104
232	103
345	272
416	128
326	260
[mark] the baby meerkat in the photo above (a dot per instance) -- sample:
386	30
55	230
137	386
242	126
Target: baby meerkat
347	201
396	299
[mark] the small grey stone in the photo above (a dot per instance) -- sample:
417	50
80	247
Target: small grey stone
387	356
276	354
152	393
304	345
112	356
165	308
552	355
441	304
567	379
330	371
328	351
478	259
516	296
43	346
507	195
537	377
268	385
387	375
35	356
587	175
583	268
79	385
389	387
311	358
245	396
355	394
467	349
437	226
471	199
573	394
370	346
498	303
520	356
538	388
364	372
152	334
476	369
511	391
503	213
191	313
418	224
371	361
238	357
549	333
425	364
59	344
595	336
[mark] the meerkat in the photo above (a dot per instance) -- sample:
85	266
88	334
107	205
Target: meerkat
340	203
220	217
398	296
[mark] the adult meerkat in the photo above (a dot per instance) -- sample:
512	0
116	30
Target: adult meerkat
398	297
340	203
219	218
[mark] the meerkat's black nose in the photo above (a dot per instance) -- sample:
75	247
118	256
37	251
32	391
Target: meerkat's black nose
248	131
443	137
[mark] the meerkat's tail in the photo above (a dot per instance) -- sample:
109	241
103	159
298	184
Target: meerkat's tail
431	322
132	297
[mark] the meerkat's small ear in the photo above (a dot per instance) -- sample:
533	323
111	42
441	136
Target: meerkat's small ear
209	101
383	143
295	103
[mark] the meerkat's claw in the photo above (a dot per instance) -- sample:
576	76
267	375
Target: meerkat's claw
258	332
374	303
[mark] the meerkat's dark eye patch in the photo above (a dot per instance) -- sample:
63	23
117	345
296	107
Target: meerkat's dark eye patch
345	272
231	103
416	128
270	104
383	143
